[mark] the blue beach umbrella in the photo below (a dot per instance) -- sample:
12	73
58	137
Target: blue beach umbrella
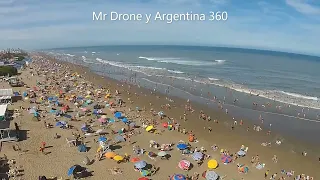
124	120
102	139
197	156
182	146
61	123
178	177
82	148
84	129
140	164
73	169
117	115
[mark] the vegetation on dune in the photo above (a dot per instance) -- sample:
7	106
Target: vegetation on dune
5	70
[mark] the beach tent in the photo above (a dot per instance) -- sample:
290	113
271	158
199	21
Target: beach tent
3	112
82	148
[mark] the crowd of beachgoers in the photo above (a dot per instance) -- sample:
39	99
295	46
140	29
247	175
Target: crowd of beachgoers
80	129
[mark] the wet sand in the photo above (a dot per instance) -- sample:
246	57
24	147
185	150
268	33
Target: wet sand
62	157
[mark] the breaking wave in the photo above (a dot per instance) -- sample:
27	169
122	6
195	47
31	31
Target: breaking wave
183	61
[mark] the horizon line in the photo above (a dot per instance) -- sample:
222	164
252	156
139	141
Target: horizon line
203	46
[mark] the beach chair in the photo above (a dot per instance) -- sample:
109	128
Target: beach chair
71	142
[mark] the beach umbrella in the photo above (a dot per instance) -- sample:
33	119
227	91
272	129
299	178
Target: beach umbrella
241	153
118	158
178	177
32	111
151	154
197	156
124	120
162	153
210	175
212	164
182	146
82	148
165	124
184	164
140	164
145	173
110	155
226	159
102	139
117	115
102	120
74	169
104	117
161	113
84	129
143	178
84	109
99	131
132	124
135	159
61	123
149	128
119	138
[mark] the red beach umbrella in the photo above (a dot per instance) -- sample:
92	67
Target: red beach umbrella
143	178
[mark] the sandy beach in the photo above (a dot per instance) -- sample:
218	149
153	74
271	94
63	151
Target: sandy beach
216	133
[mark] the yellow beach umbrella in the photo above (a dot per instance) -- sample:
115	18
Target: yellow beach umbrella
104	117
110	155
99	149
212	164
118	158
149	128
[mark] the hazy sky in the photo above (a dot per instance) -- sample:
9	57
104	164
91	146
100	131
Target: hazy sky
286	25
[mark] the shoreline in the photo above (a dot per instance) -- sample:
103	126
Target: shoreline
269	94
284	149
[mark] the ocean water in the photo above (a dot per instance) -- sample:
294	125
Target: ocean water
284	86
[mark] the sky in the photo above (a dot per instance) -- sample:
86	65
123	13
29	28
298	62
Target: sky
284	25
